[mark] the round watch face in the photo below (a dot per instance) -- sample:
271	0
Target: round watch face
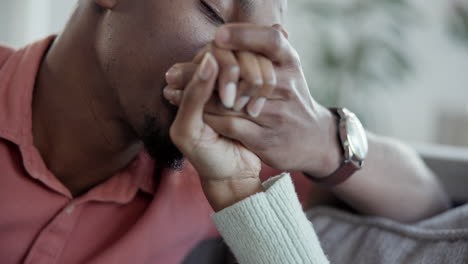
357	137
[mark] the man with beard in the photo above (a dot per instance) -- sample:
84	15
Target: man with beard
81	112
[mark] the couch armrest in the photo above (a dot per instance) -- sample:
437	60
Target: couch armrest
450	164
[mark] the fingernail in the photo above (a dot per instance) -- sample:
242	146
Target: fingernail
172	94
223	35
241	103
235	70
257	107
168	93
258	82
229	95
207	67
172	75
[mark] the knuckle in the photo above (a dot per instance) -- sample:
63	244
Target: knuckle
276	40
295	58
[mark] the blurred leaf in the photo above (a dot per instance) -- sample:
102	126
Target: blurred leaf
330	58
459	21
375	49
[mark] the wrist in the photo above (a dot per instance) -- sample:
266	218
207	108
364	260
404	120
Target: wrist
224	193
330	155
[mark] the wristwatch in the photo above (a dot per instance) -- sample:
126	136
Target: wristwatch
353	139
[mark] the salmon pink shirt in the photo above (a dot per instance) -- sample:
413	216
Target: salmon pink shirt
127	219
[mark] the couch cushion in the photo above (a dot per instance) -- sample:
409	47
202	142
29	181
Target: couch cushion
208	252
348	238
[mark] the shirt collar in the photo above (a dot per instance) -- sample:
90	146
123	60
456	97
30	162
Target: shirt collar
17	81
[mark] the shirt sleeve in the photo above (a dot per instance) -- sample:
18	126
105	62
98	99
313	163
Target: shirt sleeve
270	227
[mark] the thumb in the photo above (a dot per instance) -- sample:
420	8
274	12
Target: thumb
189	120
200	89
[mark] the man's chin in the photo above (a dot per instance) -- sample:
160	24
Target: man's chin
159	145
173	163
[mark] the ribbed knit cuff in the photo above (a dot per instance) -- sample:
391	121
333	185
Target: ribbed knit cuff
270	227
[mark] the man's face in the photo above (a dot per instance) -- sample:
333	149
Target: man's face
138	41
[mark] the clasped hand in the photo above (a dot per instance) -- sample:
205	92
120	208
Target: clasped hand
243	100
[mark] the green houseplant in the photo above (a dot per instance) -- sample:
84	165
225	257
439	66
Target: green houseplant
362	45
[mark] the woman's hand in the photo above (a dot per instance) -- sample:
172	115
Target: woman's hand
244	81
228	171
298	134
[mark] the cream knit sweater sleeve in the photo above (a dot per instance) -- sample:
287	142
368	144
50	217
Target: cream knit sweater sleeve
270	227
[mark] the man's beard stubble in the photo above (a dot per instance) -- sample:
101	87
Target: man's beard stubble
159	145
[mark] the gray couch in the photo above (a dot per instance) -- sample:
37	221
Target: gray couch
450	164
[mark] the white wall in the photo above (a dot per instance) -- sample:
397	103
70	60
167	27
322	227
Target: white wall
24	21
